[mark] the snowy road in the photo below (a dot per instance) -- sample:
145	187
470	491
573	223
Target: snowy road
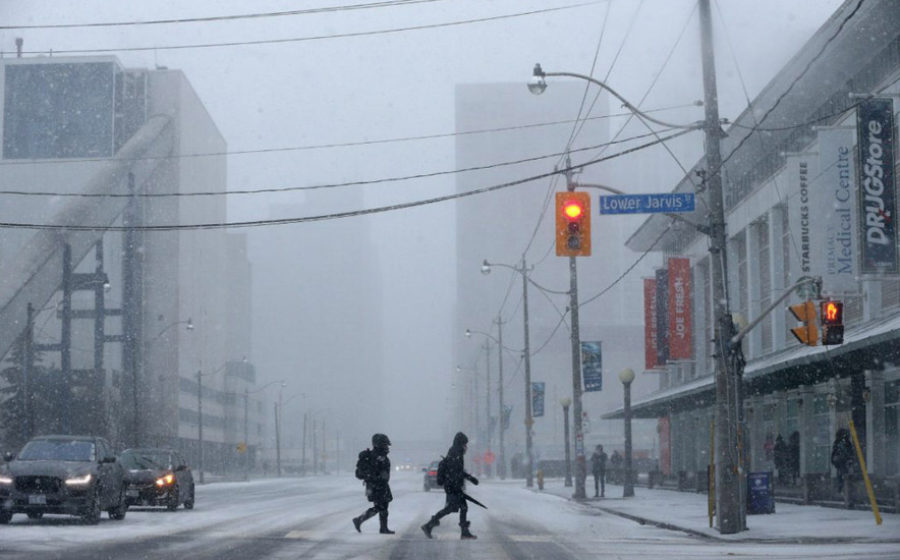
310	518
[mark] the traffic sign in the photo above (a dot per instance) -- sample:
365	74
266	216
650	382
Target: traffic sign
646	203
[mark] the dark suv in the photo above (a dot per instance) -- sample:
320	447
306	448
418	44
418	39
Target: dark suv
74	475
157	477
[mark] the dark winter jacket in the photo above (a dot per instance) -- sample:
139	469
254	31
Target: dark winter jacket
378	488
598	462
454	465
842	451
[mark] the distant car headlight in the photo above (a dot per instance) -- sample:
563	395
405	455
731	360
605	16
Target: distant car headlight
165	480
4	479
79	480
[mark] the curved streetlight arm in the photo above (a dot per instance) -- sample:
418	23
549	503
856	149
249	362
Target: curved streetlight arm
515	351
267	385
539	73
486	269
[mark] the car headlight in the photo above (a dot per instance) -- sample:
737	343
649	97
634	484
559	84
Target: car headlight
79	480
165	480
4	479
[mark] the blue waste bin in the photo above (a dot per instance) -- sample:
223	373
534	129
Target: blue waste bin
760	493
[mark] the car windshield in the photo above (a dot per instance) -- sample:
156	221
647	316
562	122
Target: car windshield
57	450
138	460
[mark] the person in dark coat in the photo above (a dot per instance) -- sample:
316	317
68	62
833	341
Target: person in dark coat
782	459
375	469
842	456
598	468
615	463
454	482
794	456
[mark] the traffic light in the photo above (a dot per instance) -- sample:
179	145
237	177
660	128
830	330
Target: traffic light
832	322
573	224
808	333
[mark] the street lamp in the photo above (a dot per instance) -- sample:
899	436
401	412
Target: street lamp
730	512
200	375
278	406
474	371
626	376
189	326
529	421
565	402
487	393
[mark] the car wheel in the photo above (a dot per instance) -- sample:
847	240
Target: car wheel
35	514
172	500
5	516
91	513
189	503
118	512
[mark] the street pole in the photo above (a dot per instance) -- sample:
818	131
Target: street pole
627	376
487	404
246	436
277	443
580	463
565	405
529	421
303	458
501	468
729	515
200	420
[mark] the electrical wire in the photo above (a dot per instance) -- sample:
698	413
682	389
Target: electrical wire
323	217
206	19
306	147
270	190
354	34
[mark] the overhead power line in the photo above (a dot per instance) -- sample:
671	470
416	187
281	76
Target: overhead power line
271	190
319	37
308	11
336	215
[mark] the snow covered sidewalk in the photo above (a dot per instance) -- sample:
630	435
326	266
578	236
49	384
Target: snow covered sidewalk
687	511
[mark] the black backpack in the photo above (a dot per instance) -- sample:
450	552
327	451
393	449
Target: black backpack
441	477
364	470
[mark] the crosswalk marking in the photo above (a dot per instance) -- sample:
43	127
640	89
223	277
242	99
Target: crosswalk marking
306	535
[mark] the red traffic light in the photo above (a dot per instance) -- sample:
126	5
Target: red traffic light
832	322
573	210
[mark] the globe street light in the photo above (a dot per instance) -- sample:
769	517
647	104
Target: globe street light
626	376
529	421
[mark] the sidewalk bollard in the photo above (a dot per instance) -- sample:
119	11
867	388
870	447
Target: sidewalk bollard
540	479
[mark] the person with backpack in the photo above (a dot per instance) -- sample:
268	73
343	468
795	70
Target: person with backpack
374	468
452	476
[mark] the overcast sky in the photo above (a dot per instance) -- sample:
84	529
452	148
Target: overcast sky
350	76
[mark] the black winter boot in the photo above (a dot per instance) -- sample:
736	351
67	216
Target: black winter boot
426	528
383	517
465	534
357	521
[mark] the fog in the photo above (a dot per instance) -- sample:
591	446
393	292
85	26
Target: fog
362	317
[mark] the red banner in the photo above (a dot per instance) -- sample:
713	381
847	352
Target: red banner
680	343
650	350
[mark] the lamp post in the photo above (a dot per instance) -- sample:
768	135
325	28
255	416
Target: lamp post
278	429
529	421
626	376
200	375
731	516
189	326
565	402
247	393
501	467
474	371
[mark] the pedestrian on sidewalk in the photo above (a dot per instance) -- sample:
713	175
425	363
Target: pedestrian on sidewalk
842	456
794	456
374	468
782	459
598	468
615	462
452	476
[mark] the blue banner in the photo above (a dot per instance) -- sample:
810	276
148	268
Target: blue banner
592	366
537	399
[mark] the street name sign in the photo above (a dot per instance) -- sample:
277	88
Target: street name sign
646	203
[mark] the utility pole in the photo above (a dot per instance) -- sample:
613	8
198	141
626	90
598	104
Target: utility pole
729	515
487	402
529	421
200	420
580	463
303	457
501	467
246	436
277	441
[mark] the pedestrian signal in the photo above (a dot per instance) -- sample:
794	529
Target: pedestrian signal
573	224
832	322
808	333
